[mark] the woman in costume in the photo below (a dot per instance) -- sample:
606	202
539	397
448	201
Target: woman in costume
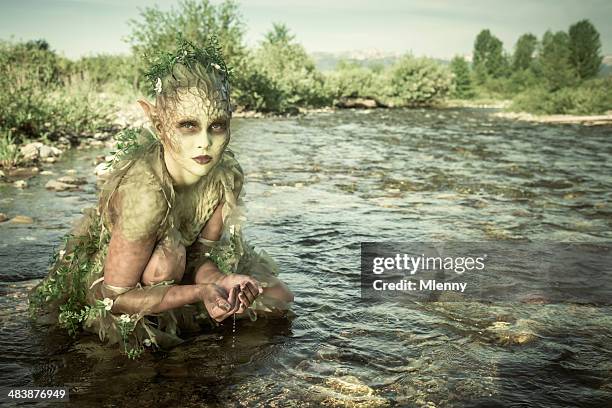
164	249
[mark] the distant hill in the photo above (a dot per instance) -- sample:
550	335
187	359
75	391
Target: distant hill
327	61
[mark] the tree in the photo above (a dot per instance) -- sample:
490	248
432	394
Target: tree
524	51
197	20
280	76
489	59
278	35
463	82
418	81
585	49
555	61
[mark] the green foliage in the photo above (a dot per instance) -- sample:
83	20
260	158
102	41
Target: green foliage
198	20
554	61
352	80
417	82
39	100
591	97
10	155
585	49
120	71
128	143
463	83
186	53
280	76
489	58
524	52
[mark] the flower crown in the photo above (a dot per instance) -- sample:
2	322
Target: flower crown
161	63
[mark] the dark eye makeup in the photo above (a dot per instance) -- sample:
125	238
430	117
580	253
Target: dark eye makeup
188	124
191	124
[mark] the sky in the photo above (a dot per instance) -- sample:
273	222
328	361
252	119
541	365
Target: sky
433	28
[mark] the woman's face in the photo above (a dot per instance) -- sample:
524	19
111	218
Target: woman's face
197	130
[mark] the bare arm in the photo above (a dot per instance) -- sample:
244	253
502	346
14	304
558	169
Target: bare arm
126	261
124	265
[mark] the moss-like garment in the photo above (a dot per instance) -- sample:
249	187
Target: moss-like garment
74	294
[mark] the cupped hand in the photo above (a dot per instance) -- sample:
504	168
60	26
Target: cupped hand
250	288
219	303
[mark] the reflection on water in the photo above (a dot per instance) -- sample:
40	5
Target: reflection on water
316	187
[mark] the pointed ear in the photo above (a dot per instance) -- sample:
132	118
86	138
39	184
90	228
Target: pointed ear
148	108
151	111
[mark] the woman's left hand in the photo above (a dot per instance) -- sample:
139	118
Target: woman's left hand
250	288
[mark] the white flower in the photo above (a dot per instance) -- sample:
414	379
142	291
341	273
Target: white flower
214	65
158	85
125	318
206	253
147	342
108	303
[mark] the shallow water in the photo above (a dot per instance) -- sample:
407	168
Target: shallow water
316	187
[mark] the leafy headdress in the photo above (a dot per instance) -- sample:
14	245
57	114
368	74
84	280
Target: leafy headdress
198	69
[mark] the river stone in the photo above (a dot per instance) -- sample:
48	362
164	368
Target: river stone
31	150
45	151
22	219
2	174
77	181
46	173
49	159
3	217
59	186
21	184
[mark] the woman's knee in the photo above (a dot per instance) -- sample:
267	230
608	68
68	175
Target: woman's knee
165	264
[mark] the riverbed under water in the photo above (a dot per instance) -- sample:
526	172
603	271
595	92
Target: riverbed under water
317	186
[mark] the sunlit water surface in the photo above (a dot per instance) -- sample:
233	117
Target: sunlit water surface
316	187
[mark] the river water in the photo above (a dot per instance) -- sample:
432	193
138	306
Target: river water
316	187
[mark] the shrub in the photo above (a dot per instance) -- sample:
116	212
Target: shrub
417	82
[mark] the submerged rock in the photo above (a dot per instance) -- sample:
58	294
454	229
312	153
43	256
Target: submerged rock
77	181
60	186
20	184
22	219
348	391
505	333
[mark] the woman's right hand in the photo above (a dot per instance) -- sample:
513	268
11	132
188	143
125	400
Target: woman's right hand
218	302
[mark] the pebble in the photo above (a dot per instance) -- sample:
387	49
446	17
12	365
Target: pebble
77	181
22	219
3	217
46	173
49	159
20	184
59	186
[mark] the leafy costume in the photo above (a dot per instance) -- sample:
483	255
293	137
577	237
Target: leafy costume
74	294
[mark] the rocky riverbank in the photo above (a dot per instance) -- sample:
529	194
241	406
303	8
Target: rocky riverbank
587	120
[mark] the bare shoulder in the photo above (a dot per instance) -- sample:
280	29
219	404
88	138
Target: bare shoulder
139	203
